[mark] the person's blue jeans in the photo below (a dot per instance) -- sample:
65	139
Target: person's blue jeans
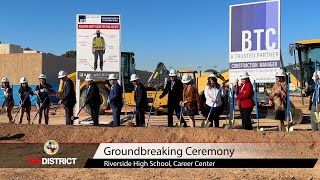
116	116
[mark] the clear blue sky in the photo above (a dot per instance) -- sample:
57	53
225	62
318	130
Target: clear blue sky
180	33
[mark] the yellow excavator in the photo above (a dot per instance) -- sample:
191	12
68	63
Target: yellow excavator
306	53
128	68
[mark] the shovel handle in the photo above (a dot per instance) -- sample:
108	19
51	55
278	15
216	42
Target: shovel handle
55	109
80	110
38	110
19	108
256	101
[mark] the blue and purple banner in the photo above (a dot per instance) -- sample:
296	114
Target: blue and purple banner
255	40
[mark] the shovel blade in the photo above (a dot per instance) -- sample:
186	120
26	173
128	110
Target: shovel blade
226	126
203	123
290	129
208	124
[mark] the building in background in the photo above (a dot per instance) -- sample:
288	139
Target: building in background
16	63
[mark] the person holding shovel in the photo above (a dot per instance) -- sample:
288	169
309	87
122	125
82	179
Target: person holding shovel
191	99
25	91
310	91
93	99
174	88
68	96
278	98
43	91
115	99
245	98
214	93
140	98
8	97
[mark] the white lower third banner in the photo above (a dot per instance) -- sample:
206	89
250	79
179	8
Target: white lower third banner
199	155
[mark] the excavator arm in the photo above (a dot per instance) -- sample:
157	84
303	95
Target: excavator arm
160	70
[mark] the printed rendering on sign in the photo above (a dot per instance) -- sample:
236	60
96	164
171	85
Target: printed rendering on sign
255	40
98	45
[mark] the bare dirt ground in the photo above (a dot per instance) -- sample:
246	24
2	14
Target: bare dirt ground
159	133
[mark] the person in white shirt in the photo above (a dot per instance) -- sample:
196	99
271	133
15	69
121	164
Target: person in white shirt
213	93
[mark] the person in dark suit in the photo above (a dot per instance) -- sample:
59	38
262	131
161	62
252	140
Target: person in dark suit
68	96
93	99
140	98
174	88
115	99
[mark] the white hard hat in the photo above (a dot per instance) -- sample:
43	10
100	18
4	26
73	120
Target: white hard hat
23	80
134	77
42	76
88	77
5	80
98	32
186	78
62	74
244	75
112	77
280	73
212	76
173	72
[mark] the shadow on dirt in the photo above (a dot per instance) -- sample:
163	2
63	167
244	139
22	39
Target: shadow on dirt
8	137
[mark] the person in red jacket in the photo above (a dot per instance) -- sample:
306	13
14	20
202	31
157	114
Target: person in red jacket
245	98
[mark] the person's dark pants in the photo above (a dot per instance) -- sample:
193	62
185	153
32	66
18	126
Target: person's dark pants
140	119
69	114
245	116
214	116
95	115
116	116
98	53
177	109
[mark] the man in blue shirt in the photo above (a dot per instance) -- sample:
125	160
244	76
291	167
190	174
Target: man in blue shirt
115	99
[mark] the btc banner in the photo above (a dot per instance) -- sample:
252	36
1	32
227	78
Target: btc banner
255	40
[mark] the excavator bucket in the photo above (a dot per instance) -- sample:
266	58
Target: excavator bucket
297	116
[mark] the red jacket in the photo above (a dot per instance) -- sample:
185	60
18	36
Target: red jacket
245	95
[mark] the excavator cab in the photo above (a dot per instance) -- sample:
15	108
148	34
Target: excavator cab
306	55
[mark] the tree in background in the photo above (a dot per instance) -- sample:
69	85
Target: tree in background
70	54
28	49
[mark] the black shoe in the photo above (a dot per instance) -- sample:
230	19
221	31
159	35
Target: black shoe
94	68
101	69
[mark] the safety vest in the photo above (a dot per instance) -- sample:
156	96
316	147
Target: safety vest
98	43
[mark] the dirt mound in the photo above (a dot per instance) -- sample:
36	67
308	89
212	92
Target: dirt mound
90	134
229	174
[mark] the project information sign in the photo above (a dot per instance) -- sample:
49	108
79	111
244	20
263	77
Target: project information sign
255	40
98	45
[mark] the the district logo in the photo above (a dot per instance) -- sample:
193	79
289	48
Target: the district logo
51	147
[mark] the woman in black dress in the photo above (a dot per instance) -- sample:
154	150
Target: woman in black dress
25	91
